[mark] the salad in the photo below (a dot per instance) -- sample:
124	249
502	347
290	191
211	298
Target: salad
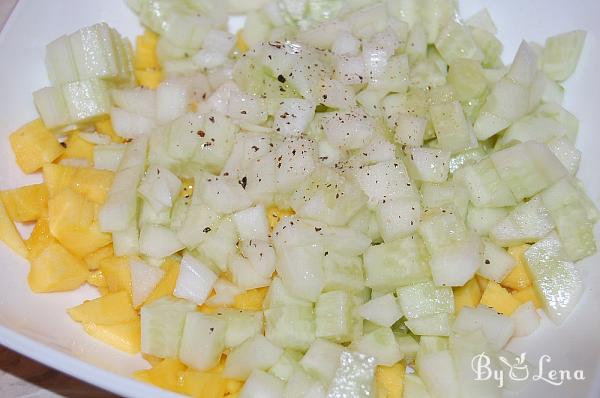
341	199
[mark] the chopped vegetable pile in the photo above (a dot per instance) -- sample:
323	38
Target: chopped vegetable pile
344	199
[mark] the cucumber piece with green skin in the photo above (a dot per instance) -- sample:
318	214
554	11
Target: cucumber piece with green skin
333	315
424	299
555	279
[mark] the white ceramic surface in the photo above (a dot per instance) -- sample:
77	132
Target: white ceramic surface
37	325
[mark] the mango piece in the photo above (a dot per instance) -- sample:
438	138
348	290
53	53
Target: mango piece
78	148
96	278
482	282
145	56
527	294
390	380
104	126
93	184
203	384
117	274
252	300
234	395
166	286
518	278
34	145
468	295
498	298
207	309
142	375
40	238
54	269
73	223
233	386
123	336
275	214
93	260
27	203
167	374
152	360
149	78
241	43
112	309
9	234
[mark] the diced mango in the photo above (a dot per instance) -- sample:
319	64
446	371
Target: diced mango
96	278
145	56
518	278
275	214
203	385
468	295
34	145
498	298
166	286
233	386
149	78
27	203
117	274
78	148
152	360
93	184
241	43
112	309
73	223
9	234
104	126
167	374
252	300
122	336
40	238
234	395
207	309
54	269
482	282
527	294
93	259
390	380
142	375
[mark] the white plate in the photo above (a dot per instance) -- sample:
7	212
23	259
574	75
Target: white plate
37	325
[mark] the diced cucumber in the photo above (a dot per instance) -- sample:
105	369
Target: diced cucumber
526	319
219	244
60	62
158	241
566	152
144	279
342	272
483	219
414	387
262	385
453	132
408	346
381	344
322	360
398	263
427	164
467	79
425	299
202	341
162	326
255	353
384	181
485	186
290	326
438	372
556	280
497	329
455	41
301	271
301	384
526	223
457	263
561	54
195	280
241	325
279	296
497	263
333	316
286	365
199	220
432	325
398	218
384	310
354	377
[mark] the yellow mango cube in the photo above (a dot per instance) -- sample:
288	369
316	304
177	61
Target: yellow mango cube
241	43
40	238
152	360
54	269
104	126
93	184
233	386
34	145
149	78
518	278
93	260
252	300
203	384
78	148
390	380
275	214
167	375
468	295
234	395
145	56
117	274
527	294
112	309
27	203
482	282
73	223
142	375
166	286
498	298
122	336
9	234
96	278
